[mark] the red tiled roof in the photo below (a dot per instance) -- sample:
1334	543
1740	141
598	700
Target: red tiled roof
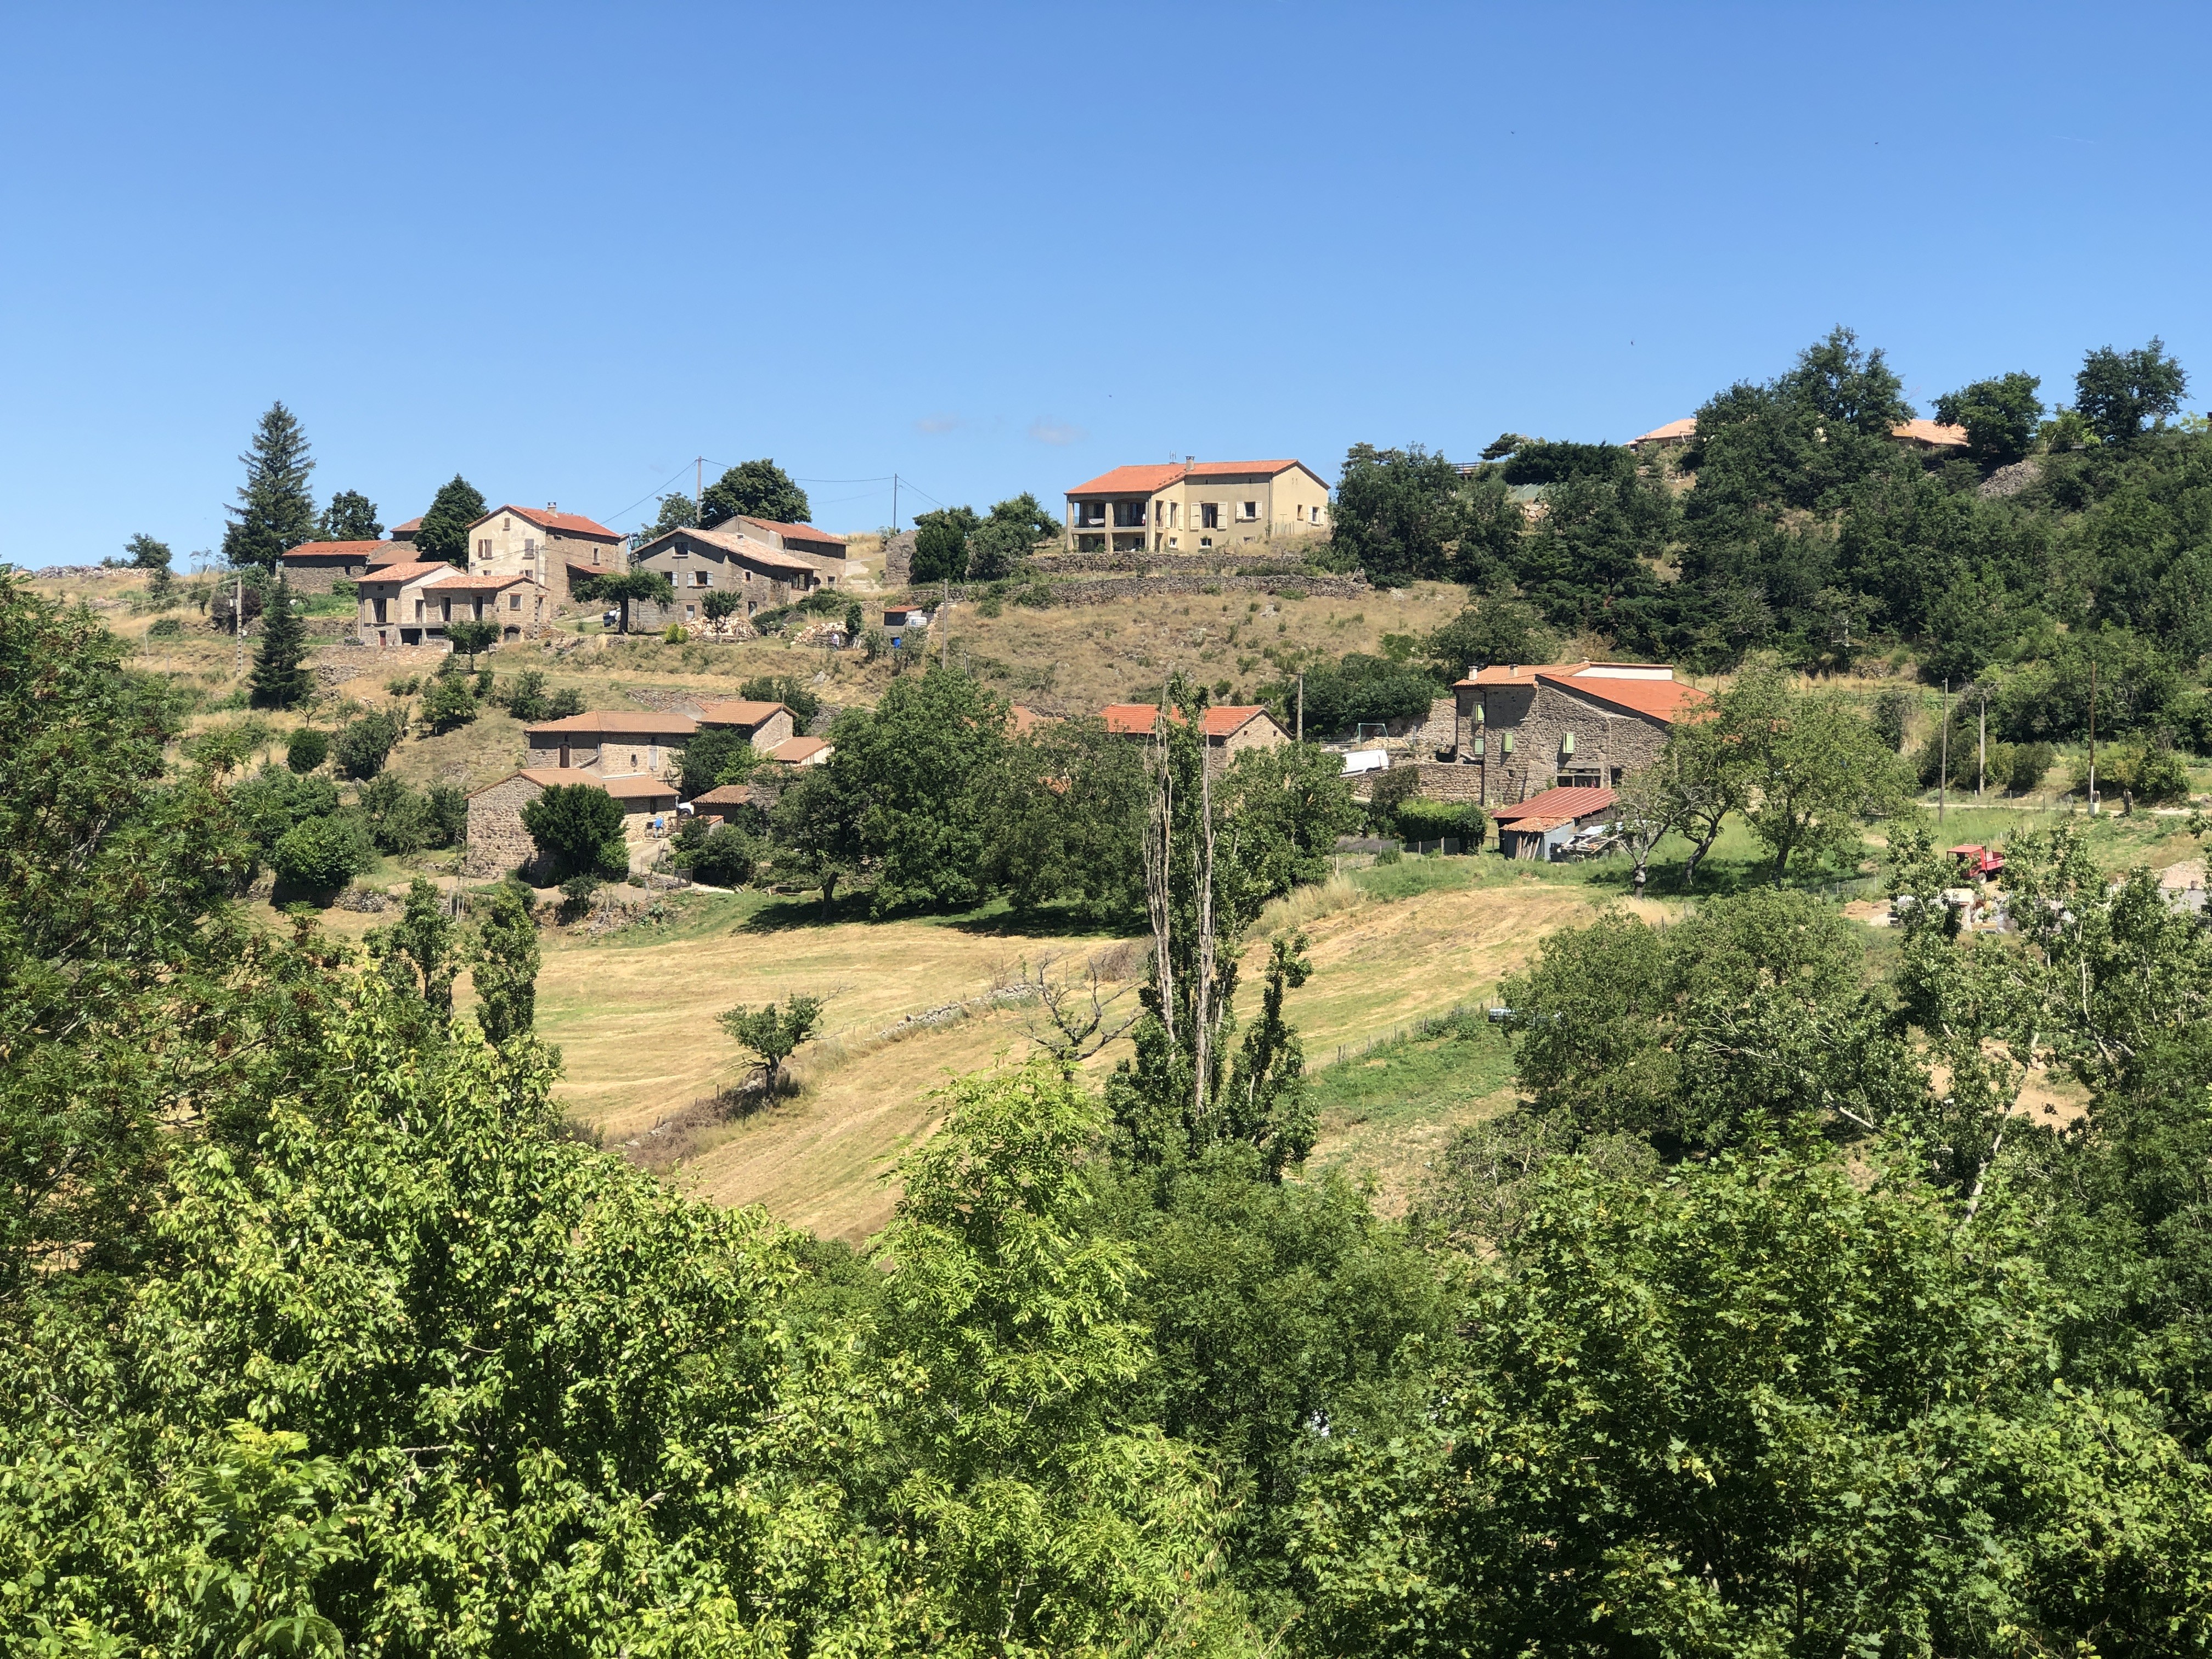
1024	720
1145	480
1228	719
804	531
569	524
1663	700
618	722
411	526
725	795
797	751
1131	719
415	572
362	550
743	546
1564	805
737	711
1520	673
464	581
1685	428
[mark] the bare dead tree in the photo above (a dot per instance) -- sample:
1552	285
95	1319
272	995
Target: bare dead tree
1078	1017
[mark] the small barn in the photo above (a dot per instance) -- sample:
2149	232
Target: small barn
1537	827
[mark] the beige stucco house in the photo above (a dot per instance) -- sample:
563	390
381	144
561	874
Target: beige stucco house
552	548
1194	506
415	602
698	563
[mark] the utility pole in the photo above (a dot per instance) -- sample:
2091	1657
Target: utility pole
237	622
1943	767
894	503
2093	737
699	483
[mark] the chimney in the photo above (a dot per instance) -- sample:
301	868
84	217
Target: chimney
1188	459
552	507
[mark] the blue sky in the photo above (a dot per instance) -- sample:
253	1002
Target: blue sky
564	250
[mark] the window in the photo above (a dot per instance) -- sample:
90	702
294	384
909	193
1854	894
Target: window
1209	517
681	552
689	611
505	525
699	579
483	548
1299	512
1206	541
1251	511
418	611
514	601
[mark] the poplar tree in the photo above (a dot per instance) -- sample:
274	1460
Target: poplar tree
276	509
280	677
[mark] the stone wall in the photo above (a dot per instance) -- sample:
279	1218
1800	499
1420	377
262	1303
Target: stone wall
497	841
1109	590
1607	741
898	559
1279	563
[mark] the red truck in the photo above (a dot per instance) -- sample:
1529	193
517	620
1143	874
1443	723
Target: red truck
1980	863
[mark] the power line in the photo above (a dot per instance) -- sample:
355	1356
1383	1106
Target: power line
647	496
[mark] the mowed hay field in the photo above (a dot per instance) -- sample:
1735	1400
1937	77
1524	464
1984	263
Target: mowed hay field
635	1017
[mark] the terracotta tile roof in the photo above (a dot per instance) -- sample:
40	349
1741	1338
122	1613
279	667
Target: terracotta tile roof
1563	805
725	795
1519	673
620	722
466	581
635	787
1024	720
1131	480
569	524
739	711
417	571
1537	826
804	531
1931	432
407	529
1664	700
362	550
1145	480
797	751
1131	719
1685	428
1228	719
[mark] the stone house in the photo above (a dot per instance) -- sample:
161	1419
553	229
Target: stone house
1518	731
1228	728
611	742
1194	505
497	841
763	725
825	552
313	567
801	752
413	604
552	548
698	563
405	532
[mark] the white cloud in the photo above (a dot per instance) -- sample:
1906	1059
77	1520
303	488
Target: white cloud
933	424
1056	432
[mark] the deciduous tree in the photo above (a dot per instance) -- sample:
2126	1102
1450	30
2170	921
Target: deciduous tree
754	490
350	517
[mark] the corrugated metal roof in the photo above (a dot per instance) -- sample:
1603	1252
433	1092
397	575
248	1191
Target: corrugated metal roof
1565	805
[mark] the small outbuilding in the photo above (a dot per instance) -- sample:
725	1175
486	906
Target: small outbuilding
1536	828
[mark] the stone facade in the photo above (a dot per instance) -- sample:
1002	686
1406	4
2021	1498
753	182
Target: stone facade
317	567
1523	753
611	743
898	559
698	563
550	547
497	841
1241	728
763	724
415	603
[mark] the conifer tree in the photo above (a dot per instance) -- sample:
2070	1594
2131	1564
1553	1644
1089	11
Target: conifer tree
277	511
279	678
445	530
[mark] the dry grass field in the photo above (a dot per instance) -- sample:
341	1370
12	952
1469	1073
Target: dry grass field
635	1015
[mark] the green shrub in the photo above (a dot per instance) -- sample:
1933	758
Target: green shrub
323	854
403	685
723	857
448	703
524	695
2152	777
1390	791
399	819
2028	764
674	634
1441	820
165	628
309	748
276	801
573	823
787	690
564	702
364	744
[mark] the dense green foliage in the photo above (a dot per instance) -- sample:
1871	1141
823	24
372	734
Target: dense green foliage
578	827
350	517
756	490
444	531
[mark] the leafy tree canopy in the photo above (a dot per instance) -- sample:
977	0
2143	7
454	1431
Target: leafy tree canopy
350	517
2121	393
755	489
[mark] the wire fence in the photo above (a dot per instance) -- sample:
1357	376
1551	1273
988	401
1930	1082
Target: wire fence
1459	1016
